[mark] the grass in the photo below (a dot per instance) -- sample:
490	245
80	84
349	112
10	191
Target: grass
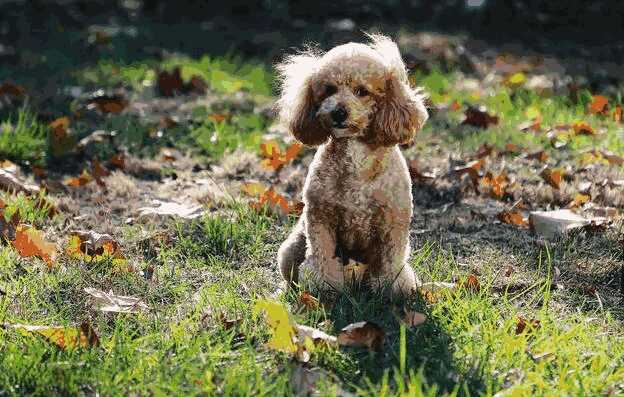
194	274
467	346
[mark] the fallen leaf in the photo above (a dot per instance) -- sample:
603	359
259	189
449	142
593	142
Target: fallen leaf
59	127
167	208
599	105
550	224
80	180
552	177
483	151
99	171
583	128
415	173
308	301
478	117
108	103
362	334
472	169
414	319
534	125
12	184
316	336
526	325
354	271
170	83
118	160
254	189
512	218
540	156
12	90
579	200
196	85
64	337
497	185
273	200
283	332
516	79
274	157
471	283
88	242
612	158
31	242
108	302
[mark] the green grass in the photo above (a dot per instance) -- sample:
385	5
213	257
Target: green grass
221	264
468	345
23	138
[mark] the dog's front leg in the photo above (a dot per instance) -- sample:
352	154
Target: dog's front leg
321	251
395	269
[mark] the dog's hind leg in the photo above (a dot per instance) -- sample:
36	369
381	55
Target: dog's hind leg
292	253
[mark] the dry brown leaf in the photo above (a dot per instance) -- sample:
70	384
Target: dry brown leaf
478	117
612	158
196	85
512	218
88	242
497	184
308	301
167	208
471	283
59	127
118	160
64	337
273	200
472	169
483	151
80	180
12	90
583	128
526	325
170	83
108	302
540	156
415	173
362	334
31	242
108	103
552	177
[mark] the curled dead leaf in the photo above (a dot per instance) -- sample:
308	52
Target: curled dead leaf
64	337
479	117
524	325
513	217
362	334
552	177
108	302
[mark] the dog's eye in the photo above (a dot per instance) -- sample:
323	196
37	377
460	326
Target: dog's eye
330	89
361	91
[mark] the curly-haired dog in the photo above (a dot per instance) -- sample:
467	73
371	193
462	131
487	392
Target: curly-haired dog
356	102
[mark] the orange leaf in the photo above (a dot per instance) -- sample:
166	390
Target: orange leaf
118	160
308	301
363	333
552	177
108	103
599	105
512	218
59	127
471	283
541	156
30	242
582	128
13	90
81	180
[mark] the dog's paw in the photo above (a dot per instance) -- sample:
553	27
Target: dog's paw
332	273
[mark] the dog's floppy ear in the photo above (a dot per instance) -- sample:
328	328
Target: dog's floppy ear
296	103
401	112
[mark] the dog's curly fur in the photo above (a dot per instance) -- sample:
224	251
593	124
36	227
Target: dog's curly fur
355	101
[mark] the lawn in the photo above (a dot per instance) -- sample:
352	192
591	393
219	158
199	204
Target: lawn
527	316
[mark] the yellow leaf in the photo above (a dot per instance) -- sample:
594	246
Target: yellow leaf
254	189
63	337
283	332
517	78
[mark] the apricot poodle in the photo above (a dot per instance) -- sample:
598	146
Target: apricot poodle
355	101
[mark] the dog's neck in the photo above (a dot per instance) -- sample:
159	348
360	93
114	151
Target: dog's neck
359	158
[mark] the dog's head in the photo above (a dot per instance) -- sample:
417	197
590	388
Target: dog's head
352	91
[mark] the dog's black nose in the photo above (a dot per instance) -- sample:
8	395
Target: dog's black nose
339	114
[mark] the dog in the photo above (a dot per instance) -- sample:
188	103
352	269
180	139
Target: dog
355	102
